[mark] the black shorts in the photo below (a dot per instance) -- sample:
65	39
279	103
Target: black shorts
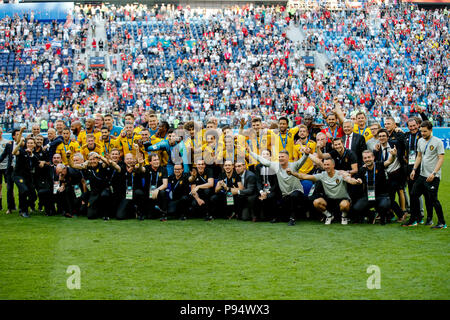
333	204
396	180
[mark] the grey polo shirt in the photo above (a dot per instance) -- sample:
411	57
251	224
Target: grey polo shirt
335	187
430	150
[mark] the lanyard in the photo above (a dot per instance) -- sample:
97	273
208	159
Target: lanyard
112	176
258	142
359	130
227	157
426	147
413	146
132	179
157	177
130	147
367	175
382	154
284	142
109	142
64	146
304	145
176	185
265	174
335	132
226	179
201	176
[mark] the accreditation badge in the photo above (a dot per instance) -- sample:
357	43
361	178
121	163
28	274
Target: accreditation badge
230	199
55	187
412	157
88	185
371	193
77	190
150	194
129	193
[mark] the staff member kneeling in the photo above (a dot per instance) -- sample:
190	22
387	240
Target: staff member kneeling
335	186
376	189
96	185
156	182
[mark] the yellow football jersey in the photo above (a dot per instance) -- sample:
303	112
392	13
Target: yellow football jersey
308	165
365	132
62	149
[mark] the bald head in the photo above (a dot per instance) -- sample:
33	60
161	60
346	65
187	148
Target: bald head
51	133
75	127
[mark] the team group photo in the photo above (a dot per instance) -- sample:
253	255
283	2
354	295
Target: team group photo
269	150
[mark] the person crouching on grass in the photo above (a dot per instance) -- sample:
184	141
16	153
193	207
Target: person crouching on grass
335	186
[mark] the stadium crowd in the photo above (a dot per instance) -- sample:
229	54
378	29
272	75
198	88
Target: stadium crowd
179	62
215	115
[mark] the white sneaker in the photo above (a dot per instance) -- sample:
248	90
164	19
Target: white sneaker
344	220
329	219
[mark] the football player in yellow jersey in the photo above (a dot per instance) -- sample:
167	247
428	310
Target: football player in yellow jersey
194	142
210	125
90	146
361	126
285	138
230	149
107	142
153	122
212	151
160	135
67	145
303	142
89	130
257	139
308	167
125	142
129	117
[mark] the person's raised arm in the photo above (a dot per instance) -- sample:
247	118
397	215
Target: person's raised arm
392	156
351	180
263	161
338	111
18	146
300	175
300	162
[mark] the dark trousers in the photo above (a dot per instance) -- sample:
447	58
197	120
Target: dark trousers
395	182
98	204
179	207
244	206
78	206
140	200
382	204
160	201
219	207
10	189
27	195
203	210
430	189
427	203
293	202
126	209
265	209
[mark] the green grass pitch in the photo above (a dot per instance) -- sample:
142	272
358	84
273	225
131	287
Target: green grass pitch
202	260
